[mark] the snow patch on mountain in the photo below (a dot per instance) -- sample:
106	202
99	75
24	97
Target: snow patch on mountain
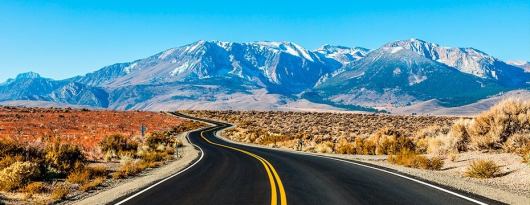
180	69
342	54
166	53
467	60
129	68
287	47
416	79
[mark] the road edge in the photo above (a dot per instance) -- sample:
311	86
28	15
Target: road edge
136	185
476	197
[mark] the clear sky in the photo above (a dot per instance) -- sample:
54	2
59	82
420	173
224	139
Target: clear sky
61	39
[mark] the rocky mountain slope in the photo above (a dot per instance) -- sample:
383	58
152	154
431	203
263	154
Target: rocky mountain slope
521	64
276	75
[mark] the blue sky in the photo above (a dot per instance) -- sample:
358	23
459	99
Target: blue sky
61	39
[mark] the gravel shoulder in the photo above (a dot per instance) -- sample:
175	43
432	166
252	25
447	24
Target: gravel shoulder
512	187
124	187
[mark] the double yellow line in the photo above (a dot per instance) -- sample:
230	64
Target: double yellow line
271	173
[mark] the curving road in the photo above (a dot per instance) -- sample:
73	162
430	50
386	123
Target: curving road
230	173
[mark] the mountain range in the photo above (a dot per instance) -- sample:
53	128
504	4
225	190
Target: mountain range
269	75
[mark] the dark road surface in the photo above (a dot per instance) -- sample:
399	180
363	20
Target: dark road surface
235	174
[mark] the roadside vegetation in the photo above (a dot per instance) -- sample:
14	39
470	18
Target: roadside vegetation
424	142
52	168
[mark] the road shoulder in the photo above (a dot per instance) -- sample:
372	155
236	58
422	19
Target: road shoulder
443	179
131	185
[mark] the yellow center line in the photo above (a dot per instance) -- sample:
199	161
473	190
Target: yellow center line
268	167
283	197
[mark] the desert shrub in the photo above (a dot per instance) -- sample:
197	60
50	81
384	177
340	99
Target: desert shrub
98	171
17	175
154	156
490	129
146	164
517	143
35	188
456	140
64	157
386	145
159	138
8	148
422	145
60	192
482	169
435	163
17	150
9	160
460	134
92	184
325	147
128	169
431	131
369	147
358	145
117	145
389	141
265	138
441	145
344	147
79	176
525	154
423	136
410	159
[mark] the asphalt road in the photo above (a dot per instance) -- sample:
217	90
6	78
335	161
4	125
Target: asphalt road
235	174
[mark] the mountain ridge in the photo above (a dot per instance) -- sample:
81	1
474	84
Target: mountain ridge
396	74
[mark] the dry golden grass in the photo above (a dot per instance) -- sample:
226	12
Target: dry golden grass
508	119
129	169
411	159
92	184
60	192
483	169
35	188
79	177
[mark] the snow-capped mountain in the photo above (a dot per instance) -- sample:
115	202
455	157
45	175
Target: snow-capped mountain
275	75
280	66
467	60
342	54
398	76
31	86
